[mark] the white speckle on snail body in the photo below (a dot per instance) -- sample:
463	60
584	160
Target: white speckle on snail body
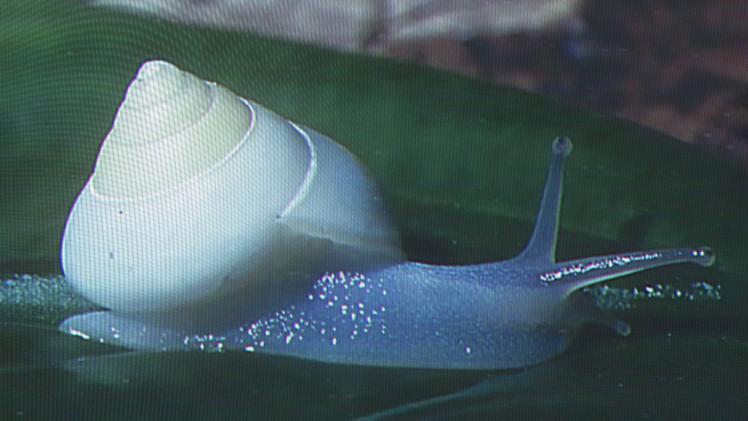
353	315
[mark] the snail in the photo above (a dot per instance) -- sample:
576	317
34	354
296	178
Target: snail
211	223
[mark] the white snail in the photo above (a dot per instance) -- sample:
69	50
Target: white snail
212	223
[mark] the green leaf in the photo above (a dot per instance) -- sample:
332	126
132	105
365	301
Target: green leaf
462	162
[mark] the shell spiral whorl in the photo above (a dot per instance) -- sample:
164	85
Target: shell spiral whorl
170	127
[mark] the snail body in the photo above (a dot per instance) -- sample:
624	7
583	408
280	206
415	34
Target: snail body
241	230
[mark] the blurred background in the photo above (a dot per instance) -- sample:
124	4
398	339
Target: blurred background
677	66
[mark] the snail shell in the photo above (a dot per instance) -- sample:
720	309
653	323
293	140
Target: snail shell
198	196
